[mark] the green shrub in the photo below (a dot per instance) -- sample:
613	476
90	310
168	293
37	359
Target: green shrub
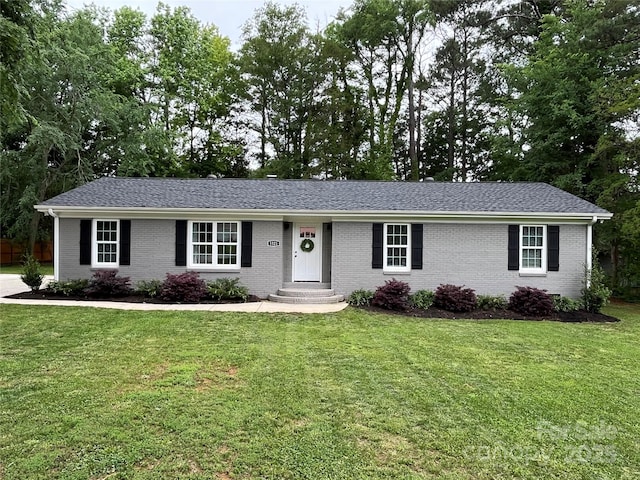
393	295
69	288
107	284
185	287
531	301
31	274
454	298
149	288
422	299
597	294
566	304
490	302
360	298
227	289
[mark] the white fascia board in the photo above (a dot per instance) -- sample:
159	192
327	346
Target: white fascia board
332	215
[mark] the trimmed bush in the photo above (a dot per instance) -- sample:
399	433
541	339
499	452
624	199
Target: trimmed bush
107	283
490	302
69	288
422	299
597	294
360	298
227	289
31	274
185	287
149	288
455	298
393	295
565	304
531	301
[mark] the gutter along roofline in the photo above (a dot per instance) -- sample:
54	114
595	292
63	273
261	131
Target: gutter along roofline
334	215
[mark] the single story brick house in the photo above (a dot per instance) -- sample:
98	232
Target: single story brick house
340	235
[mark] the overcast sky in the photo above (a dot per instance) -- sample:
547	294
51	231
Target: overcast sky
227	15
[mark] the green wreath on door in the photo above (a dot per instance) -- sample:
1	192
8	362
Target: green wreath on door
307	245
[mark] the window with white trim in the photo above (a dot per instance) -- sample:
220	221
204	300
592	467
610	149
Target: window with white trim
533	249
106	235
214	245
397	247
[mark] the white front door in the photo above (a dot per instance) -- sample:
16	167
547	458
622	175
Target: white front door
307	252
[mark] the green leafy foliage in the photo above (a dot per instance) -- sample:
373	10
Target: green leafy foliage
360	298
184	287
149	288
595	292
227	289
69	288
31	274
422	299
393	295
531	301
491	302
566	304
455	298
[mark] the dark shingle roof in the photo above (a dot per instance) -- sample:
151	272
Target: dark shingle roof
316	195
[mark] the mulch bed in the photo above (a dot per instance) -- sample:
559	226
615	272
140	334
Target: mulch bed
48	295
433	312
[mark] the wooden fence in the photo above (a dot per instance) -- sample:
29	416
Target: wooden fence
12	252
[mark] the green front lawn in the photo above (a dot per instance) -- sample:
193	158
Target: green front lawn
45	268
96	393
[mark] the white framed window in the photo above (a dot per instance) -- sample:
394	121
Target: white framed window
533	248
106	238
397	247
214	245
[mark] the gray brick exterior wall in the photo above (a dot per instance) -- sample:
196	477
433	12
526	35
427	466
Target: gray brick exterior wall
287	253
153	255
474	255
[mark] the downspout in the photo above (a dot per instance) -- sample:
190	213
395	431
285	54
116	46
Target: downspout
56	244
589	258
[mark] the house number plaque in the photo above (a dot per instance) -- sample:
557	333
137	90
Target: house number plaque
273	243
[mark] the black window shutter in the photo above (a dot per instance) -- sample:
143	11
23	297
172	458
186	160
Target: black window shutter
514	247
181	243
85	242
416	246
553	248
125	242
377	246
246	249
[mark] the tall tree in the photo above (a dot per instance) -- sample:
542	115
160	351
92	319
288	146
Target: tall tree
283	68
68	103
384	36
582	99
459	113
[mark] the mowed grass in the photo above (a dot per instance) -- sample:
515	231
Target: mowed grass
97	393
45	269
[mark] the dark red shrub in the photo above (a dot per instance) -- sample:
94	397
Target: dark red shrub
531	301
455	298
185	287
393	295
107	283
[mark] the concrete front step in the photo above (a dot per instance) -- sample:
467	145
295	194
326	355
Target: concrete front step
306	292
316	300
307	285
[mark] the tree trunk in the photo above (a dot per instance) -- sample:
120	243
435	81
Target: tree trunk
413	155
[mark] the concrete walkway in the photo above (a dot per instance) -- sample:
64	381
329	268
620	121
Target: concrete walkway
11	284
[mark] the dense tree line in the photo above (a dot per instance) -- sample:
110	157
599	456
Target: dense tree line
459	90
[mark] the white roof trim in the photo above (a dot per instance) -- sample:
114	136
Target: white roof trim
339	215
